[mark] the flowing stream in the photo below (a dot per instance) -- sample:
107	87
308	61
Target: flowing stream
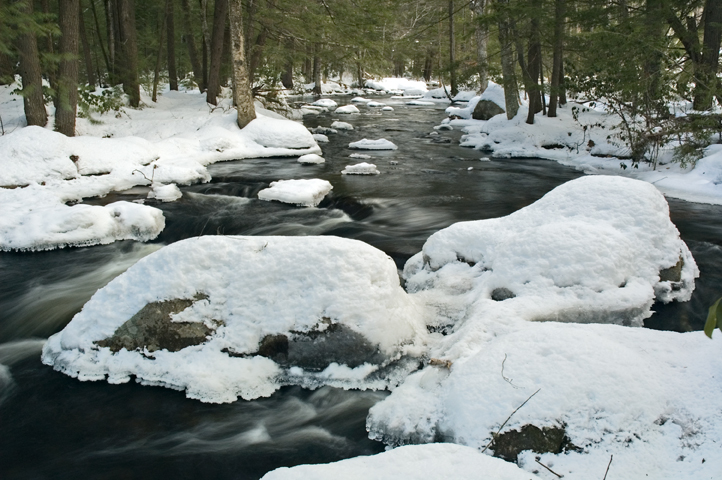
53	426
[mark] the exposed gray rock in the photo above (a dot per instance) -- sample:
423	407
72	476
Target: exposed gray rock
672	274
152	329
486	109
501	294
508	445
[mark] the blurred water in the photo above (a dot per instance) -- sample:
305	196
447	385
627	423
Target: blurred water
53	426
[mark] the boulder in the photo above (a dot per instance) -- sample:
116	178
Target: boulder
486	109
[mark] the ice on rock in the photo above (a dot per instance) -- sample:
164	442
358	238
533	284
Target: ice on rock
325	102
306	193
311	158
362	168
165	193
388	109
366	144
279	311
375	104
341	125
412	462
347	109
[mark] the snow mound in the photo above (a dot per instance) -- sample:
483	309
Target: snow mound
360	169
347	109
366	144
319	137
325	102
311	158
413	462
360	100
165	193
388	109
375	104
307	193
341	125
405	85
362	156
421	103
49	224
493	93
266	132
257	312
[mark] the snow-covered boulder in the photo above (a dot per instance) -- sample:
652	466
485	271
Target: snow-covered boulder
275	133
388	109
311	158
421	103
347	109
341	125
412	462
374	104
319	137
325	102
165	193
482	107
360	100
306	193
366	144
228	316
362	168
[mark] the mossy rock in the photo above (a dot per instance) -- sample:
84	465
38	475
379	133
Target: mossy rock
509	445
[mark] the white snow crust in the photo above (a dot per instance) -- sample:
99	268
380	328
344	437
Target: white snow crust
435	461
341	125
311	158
165	193
325	102
306	193
366	144
346	109
362	168
319	137
256	286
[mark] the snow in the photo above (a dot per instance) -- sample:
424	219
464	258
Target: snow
311	158
325	102
168	142
362	168
493	93
375	104
252	287
413	462
360	100
341	125
421	103
366	144
401	85
347	109
319	137
360	155
388	109
165	193
307	193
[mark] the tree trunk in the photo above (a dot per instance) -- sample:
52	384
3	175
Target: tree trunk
48	62
559	17
111	22
192	50
89	72
219	27
257	51
32	93
100	40
706	85
534	63
316	70
206	40
170	31
159	55
287	75
452	51
241	85
511	92
481	32
131	86
67	90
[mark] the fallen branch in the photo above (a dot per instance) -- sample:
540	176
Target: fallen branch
555	473
507	419
611	457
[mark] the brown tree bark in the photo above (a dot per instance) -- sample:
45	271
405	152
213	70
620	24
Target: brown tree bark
534	63
27	43
170	32
214	75
192	50
452	51
707	85
159	55
554	91
287	75
67	89
242	96
131	85
100	37
511	92
89	72
481	34
316	70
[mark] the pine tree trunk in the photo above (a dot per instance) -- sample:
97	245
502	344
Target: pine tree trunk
159	56
67	90
241	85
511	92
48	63
192	50
131	85
35	113
257	51
559	17
214	75
316	70
100	39
170	32
89	72
481	33
707	85
111	24
452	51
534	63
206	44
287	75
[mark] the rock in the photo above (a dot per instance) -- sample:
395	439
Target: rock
673	273
501	294
486	109
152	329
508	445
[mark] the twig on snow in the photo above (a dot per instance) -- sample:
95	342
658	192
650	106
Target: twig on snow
508	380
555	473
611	457
507	419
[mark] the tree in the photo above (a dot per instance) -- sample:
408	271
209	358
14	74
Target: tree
27	46
557	74
219	23
242	97
170	31
67	87
127	35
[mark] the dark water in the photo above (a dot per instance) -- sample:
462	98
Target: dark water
52	426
